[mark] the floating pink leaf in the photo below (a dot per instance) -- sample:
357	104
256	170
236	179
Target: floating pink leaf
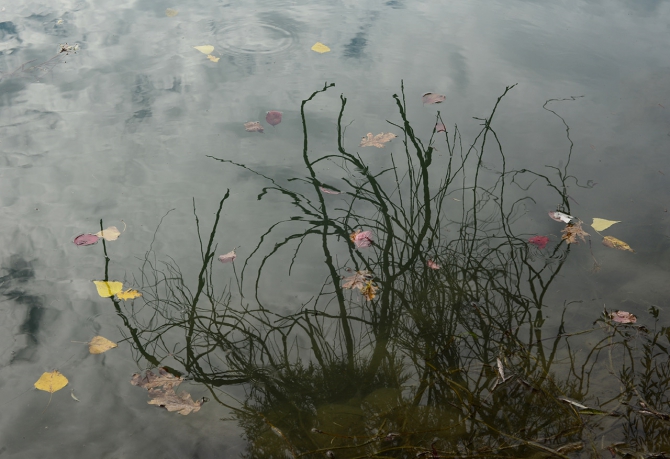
623	317
253	126
86	239
561	217
439	127
329	191
361	239
432	98
432	265
539	241
273	118
228	258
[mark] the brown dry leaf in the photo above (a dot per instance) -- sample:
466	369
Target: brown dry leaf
623	317
377	140
572	231
369	290
615	243
253	126
151	381
129	294
168	399
99	344
358	280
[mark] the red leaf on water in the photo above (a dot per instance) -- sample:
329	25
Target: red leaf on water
623	317
228	257
539	241
86	239
361	239
273	118
432	265
432	98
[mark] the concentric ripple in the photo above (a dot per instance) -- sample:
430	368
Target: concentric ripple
254	38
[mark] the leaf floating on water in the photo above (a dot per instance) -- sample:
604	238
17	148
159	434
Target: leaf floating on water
615	243
439	127
213	58
109	234
329	191
273	117
73	397
100	344
253	126
600	224
320	48
129	294
361	239
377	140
181	403
623	317
561	217
572	231
205	49
151	381
432	98
358	280
108	288
171	13
228	258
539	241
51	382
432	265
369	290
86	239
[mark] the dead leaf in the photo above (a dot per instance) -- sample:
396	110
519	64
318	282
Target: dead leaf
615	243
600	224
228	257
432	98
623	317
253	126
561	217
108	288
572	231
109	234
129	294
181	403
152	381
361	239
320	48
358	280
86	239
171	13
432	265
369	290
329	191
99	344
73	396
539	241
51	382
205	49
378	140
273	117
213	58
440	127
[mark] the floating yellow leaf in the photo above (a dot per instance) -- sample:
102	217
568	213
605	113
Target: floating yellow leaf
320	48
212	58
377	140
205	49
108	288
129	294
51	382
109	234
600	224
99	344
171	13
615	243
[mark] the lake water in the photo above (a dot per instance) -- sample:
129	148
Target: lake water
111	117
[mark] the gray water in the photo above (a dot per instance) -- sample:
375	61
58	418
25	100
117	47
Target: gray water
121	128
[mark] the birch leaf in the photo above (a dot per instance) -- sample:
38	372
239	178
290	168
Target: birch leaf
205	49
151	381
129	294
108	288
600	224
615	243
377	140
109	234
320	48
213	58
100	344
51	382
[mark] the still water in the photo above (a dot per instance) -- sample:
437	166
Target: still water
111	117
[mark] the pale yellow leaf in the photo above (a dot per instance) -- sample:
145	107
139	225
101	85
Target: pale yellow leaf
377	140
129	294
320	48
100	344
51	382
108	288
109	234
600	224
205	49
212	58
615	243
171	13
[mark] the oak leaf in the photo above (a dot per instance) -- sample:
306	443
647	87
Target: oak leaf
181	403
615	243
51	382
99	344
253	126
377	140
129	294
572	231
151	381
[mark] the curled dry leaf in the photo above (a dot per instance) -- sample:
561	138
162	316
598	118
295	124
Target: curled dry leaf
432	98
205	49
109	234
273	117
432	265
253	126
600	224
361	239
100	344
561	217
86	239
615	243
358	280
228	258
181	403
623	317
329	191
572	231
129	294
369	290
51	382
108	288
320	48
539	241
377	140
151	381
